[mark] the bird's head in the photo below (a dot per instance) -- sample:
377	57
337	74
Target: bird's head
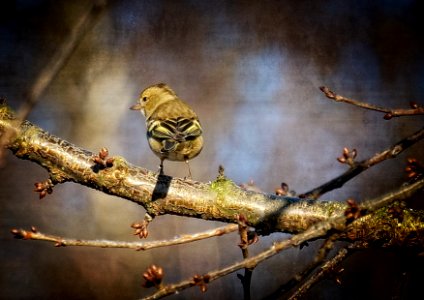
152	97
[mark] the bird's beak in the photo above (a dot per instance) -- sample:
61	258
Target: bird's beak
136	107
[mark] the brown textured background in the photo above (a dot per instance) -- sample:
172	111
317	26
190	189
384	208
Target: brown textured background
251	69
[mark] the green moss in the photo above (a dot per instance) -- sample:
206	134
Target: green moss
6	113
119	163
223	185
231	201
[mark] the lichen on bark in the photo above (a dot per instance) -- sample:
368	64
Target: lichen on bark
219	200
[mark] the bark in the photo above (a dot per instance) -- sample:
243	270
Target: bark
219	200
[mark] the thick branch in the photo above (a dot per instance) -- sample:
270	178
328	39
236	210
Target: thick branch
220	200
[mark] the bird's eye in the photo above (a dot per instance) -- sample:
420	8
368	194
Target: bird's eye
144	99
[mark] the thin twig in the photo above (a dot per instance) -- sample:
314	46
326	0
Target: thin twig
358	168
390	113
182	239
309	269
329	266
245	279
313	232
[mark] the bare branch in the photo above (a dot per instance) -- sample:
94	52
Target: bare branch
338	222
390	113
62	242
220	200
358	168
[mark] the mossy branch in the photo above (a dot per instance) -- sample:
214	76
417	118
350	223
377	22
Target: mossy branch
220	200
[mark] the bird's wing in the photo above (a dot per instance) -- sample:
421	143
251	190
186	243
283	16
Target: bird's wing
189	128
177	129
161	130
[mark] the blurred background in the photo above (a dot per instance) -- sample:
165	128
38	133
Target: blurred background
252	71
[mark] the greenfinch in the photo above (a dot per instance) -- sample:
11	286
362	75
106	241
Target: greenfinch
173	128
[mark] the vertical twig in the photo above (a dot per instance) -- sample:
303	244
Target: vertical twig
245	279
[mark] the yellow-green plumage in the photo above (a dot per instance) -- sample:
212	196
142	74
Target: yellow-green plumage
173	128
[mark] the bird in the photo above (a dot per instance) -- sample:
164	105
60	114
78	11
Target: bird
173	128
